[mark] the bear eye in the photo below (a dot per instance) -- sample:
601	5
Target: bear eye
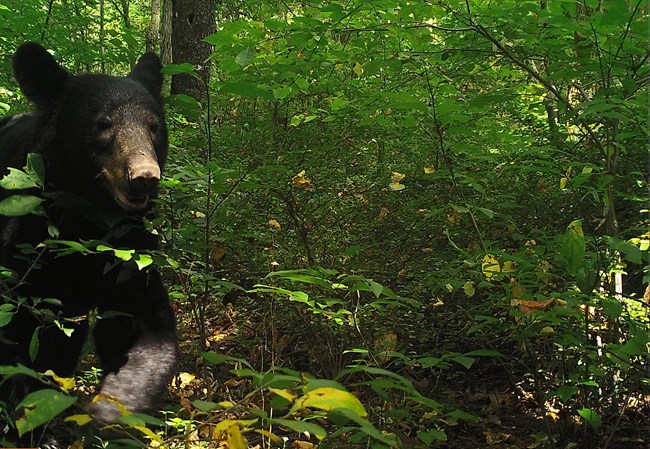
104	123
154	128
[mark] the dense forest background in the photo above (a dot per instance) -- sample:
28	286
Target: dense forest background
388	223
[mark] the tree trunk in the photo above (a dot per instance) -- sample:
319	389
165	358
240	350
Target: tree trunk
153	33
192	20
166	47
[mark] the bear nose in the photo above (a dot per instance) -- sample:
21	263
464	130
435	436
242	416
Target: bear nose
144	179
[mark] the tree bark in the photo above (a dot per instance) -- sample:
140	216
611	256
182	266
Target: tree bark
192	20
153	33
166	46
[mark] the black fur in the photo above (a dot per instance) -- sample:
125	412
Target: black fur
104	143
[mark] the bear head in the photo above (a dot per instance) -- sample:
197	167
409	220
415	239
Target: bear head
100	136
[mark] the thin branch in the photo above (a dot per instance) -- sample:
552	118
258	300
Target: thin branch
47	20
532	72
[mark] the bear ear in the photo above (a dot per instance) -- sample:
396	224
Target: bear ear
147	73
39	76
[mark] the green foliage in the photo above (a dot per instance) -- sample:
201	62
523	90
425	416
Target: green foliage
41	406
470	174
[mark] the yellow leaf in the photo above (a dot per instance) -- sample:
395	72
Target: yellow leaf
285	394
236	439
149	433
396	186
490	266
396	177
328	398
273	437
563	182
79	420
509	266
224	426
358	69
300	181
105	397
303	445
429	170
65	383
274	225
184	379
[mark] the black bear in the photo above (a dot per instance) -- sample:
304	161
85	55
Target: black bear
103	143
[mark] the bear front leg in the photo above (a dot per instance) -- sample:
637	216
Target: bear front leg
138	351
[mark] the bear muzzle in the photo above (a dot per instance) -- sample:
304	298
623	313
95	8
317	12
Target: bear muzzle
142	182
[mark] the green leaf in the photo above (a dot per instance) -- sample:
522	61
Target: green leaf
187	105
366	427
467	362
282	92
432	435
18	205
34	344
592	418
487	212
368	285
573	247
205	406
124	254
244	57
70	246
586	279
17	179
177	69
6	314
637	345
215	358
565	393
41	406
299	276
143	260
6	370
612	308
35	168
301	427
483	353
302	83
631	252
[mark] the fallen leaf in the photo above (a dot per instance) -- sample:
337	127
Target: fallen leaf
301	181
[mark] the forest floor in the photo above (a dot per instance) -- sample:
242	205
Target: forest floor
507	413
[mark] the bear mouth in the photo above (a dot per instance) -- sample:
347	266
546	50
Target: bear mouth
132	202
